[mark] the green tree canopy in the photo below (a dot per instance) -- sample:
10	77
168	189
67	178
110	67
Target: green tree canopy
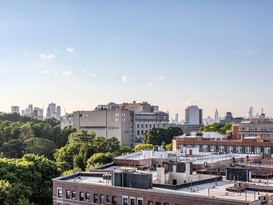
140	147
156	136
81	136
27	180
13	149
217	127
98	159
40	146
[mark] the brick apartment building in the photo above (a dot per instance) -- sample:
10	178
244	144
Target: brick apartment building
141	179
208	142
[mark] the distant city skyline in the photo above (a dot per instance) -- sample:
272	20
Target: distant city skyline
172	115
213	54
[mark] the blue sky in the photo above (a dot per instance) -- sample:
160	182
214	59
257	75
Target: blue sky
169	53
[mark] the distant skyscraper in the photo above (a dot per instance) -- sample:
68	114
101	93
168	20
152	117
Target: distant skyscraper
33	112
216	116
58	114
193	115
176	118
250	112
53	111
15	109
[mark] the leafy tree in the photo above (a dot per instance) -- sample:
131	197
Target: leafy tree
15	130
52	121
46	170
168	147
112	144
140	147
98	159
65	155
123	150
217	127
13	149
27	180
26	131
41	146
65	132
81	136
156	136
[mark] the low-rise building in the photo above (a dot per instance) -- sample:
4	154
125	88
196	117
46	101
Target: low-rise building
254	127
214	142
230	119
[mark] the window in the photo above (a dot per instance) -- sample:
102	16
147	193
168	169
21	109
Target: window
96	198
59	204
101	199
247	150
138	132
150	202
67	194
252	129
204	148
139	201
257	150
114	200
221	148
107	198
81	195
238	149
166	203
229	149
132	201
146	126
267	150
158	203
125	200
212	148
59	192
87	196
137	125
265	136
73	195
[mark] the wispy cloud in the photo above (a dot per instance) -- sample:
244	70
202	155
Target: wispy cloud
45	72
161	77
47	57
68	72
125	79
70	50
247	52
93	75
190	101
150	84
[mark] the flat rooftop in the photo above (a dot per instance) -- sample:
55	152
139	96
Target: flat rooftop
215	189
203	157
214	158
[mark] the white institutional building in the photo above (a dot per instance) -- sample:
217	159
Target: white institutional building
193	115
127	122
